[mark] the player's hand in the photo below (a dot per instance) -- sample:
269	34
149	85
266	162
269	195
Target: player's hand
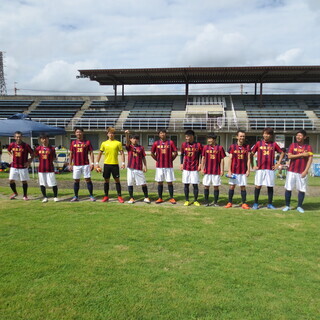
70	167
221	173
27	164
255	168
247	173
123	166
304	174
229	173
127	131
199	167
202	171
145	169
181	167
305	154
91	167
98	169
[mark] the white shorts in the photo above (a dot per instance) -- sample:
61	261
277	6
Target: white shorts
190	177
19	174
240	180
264	178
164	174
213	179
136	176
47	179
79	170
294	180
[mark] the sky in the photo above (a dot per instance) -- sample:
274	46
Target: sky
45	42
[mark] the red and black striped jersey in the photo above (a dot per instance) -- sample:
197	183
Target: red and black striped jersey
265	154
213	156
239	160
298	165
163	151
20	154
135	156
46	156
191	153
80	151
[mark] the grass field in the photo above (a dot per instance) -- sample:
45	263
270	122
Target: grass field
111	261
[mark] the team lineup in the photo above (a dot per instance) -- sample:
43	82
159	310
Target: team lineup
194	159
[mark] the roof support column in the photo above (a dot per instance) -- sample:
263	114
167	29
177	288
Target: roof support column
115	92
122	92
261	86
187	92
255	90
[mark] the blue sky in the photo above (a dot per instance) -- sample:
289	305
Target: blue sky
46	42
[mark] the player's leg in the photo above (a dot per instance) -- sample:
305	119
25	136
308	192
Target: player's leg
130	180
13	176
159	178
87	177
116	176
215	195
106	176
169	177
230	196
269	182
302	188
24	177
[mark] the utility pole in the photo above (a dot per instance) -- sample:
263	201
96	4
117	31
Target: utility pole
3	89
15	88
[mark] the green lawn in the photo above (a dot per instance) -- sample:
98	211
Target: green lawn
110	261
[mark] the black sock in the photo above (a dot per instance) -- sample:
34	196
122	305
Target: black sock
25	189
145	191
170	188
244	196
231	193
270	195
13	187
206	195
287	196
160	190
106	189
256	195
130	189
76	187
186	192
43	191
90	188
216	195
195	192
118	188
300	198
55	191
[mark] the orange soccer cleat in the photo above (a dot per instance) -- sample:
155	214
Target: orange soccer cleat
120	199
172	201
105	199
228	205
245	206
159	201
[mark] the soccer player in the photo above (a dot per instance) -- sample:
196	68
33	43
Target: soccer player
46	154
212	166
80	150
164	152
239	165
19	152
136	167
300	155
265	149
111	148
190	166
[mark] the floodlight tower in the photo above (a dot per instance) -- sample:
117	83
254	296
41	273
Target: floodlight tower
3	89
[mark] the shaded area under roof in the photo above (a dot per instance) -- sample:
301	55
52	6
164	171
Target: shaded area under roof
201	75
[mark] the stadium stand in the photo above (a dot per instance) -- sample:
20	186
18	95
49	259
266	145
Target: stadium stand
56	112
11	107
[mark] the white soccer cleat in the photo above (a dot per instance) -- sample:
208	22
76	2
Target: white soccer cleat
55	199
45	200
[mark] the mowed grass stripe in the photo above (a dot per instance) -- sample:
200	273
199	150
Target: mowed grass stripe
112	261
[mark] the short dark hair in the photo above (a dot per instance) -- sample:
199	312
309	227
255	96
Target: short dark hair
162	130
135	136
268	130
43	136
189	133
17	132
78	128
240	130
212	136
303	132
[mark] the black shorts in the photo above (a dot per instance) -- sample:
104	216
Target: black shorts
111	168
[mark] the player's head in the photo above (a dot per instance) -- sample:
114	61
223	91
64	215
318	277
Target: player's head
267	134
18	136
79	133
211	138
301	135
162	134
111	133
44	139
134	139
189	135
241	136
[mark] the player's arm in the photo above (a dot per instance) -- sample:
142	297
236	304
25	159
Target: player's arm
28	163
71	160
229	165
222	167
299	155
203	163
279	161
248	166
181	158
144	161
98	169
306	170
123	159
127	132
91	160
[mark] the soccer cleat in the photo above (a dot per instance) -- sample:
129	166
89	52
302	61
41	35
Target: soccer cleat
245	206
255	206
196	203
172	201
146	200
45	200
92	198
74	199
187	203
214	204
160	200
55	199
271	206
300	210
120	199
228	205
13	196
25	198
207	204
131	201
286	208
105	199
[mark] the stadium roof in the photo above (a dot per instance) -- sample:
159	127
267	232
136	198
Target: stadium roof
201	75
